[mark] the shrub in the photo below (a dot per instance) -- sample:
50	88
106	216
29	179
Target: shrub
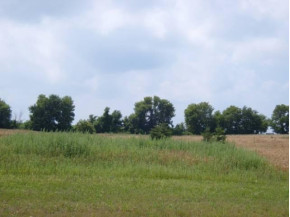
179	129
85	127
160	131
207	135
219	135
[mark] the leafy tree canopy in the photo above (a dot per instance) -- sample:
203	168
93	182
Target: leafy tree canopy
280	119
84	126
5	114
151	112
198	117
107	122
52	113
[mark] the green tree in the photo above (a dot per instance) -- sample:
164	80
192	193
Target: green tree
218	119
117	123
85	126
231	120
280	119
5	114
27	125
179	129
219	135
265	123
198	117
151	112
244	120
160	131
207	135
130	124
108	122
92	119
252	122
103	123
52	113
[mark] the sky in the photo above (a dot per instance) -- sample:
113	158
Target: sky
114	53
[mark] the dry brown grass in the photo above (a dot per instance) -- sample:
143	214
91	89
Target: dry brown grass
274	147
5	132
171	156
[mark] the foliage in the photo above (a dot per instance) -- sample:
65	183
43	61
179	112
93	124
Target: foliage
84	127
160	132
151	112
235	120
280	119
231	120
52	113
92	119
252	122
14	124
108	122
5	114
116	123
217	119
219	135
27	125
179	129
198	117
207	135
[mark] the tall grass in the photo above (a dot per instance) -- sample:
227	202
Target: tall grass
72	174
141	156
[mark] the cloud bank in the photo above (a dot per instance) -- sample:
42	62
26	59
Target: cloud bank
112	53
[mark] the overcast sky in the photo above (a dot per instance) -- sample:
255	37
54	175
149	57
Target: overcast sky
114	53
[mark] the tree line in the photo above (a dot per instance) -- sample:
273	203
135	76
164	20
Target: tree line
54	113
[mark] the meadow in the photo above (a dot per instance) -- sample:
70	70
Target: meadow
73	174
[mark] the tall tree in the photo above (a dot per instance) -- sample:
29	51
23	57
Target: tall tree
52	113
231	120
244	120
280	119
5	114
116	124
108	122
179	129
252	122
151	112
198	117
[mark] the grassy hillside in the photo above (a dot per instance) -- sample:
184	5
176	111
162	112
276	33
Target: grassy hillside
69	174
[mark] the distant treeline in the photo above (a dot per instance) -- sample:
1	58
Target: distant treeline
54	113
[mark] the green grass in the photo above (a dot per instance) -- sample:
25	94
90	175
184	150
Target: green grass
70	174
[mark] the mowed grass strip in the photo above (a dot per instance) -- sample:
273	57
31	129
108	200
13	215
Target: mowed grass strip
71	174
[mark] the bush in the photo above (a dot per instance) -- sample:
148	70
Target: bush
85	127
207	135
160	131
219	135
179	129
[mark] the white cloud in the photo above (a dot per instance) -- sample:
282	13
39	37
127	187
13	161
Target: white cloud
258	49
156	21
34	48
181	50
266	8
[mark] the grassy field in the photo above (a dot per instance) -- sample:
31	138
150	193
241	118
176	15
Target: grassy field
67	174
273	147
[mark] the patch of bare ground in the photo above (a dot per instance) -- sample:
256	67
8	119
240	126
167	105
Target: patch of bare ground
274	147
